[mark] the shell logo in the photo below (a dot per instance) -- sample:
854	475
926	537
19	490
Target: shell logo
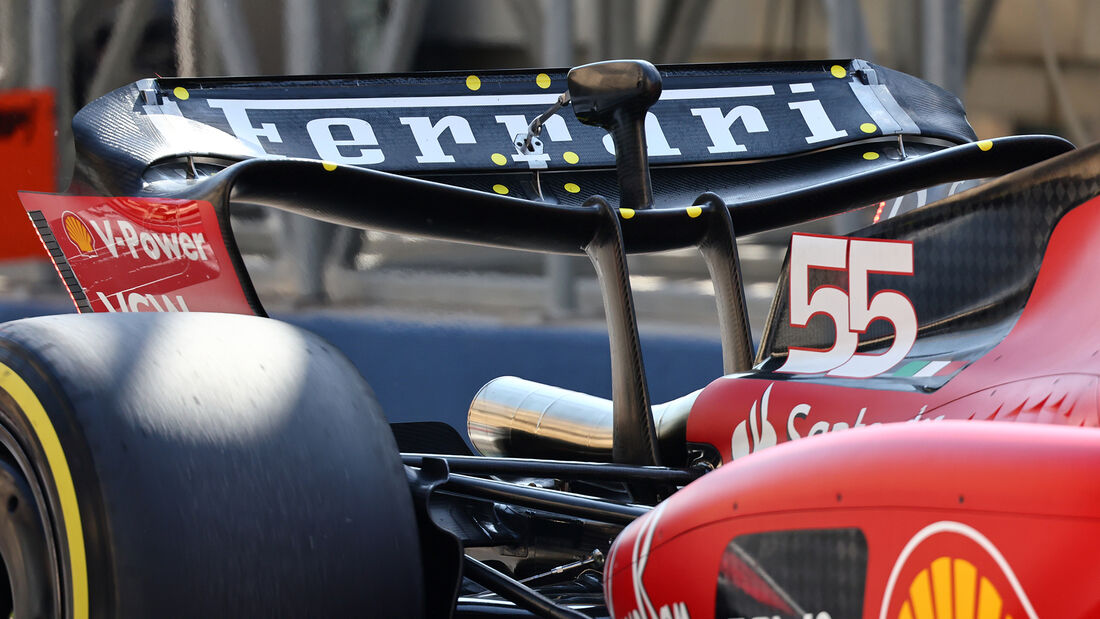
952	589
78	232
949	570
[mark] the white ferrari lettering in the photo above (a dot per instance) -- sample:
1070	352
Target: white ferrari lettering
427	136
718	126
356	141
821	128
236	114
328	147
656	142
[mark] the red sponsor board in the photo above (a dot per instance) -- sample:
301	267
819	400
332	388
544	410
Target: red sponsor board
138	254
26	163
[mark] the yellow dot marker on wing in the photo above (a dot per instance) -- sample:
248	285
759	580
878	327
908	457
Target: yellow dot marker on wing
627	213
868	127
985	144
543	80
473	82
572	188
327	165
499	159
181	93
694	211
570	157
870	156
838	71
501	189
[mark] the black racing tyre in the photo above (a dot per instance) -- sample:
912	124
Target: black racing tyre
196	465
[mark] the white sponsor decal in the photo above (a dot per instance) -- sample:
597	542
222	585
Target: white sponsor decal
138	302
151	245
763	433
359	144
639	557
852	312
820	615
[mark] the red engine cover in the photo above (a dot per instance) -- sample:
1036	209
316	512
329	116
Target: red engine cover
1046	370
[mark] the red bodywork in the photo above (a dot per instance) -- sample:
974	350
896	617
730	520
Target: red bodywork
27	161
1015	502
970	521
1046	370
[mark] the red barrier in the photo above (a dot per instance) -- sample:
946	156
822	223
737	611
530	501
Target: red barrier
27	162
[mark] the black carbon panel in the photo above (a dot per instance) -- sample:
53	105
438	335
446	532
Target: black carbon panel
462	122
976	256
793	575
679	186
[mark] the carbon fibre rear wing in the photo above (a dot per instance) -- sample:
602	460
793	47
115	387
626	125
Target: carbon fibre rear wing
461	123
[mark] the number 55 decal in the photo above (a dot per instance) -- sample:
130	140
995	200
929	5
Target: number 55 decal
852	312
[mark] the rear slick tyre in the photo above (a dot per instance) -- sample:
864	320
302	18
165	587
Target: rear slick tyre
196	465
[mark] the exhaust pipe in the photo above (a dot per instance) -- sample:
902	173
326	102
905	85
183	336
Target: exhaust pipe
513	417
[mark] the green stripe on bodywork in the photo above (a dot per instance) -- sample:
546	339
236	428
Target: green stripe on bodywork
910	369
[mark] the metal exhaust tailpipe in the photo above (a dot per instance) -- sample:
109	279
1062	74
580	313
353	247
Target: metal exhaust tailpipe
513	417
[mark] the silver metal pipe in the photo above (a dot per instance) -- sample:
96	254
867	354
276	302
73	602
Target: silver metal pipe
512	417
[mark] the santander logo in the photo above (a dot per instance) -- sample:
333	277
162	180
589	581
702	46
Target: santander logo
762	431
757	432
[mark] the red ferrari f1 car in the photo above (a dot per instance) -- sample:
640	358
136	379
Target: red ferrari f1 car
178	453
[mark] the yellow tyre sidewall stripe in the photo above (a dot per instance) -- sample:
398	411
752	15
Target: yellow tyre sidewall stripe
62	479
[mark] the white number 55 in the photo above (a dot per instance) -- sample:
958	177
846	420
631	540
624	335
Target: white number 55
851	312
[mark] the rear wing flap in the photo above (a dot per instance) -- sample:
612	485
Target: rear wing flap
462	123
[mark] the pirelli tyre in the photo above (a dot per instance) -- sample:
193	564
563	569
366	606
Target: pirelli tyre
196	465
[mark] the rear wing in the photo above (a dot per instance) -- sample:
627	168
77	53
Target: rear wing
460	123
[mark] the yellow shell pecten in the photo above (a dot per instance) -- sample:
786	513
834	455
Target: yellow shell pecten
940	592
78	233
